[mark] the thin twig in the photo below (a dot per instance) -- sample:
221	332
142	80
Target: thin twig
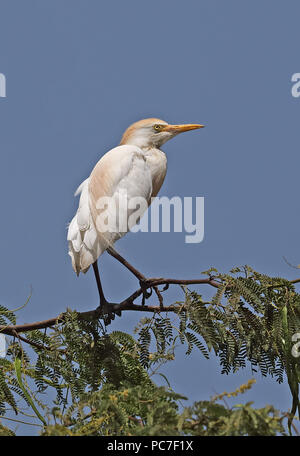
126	304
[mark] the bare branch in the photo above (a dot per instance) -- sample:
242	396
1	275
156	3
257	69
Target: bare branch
127	304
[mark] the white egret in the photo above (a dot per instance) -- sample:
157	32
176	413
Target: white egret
136	168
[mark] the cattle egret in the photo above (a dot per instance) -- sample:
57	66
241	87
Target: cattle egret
136	168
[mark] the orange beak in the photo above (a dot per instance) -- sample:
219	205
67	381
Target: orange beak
182	128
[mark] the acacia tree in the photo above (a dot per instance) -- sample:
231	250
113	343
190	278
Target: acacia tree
103	380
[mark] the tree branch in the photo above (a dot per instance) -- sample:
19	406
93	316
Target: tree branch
127	304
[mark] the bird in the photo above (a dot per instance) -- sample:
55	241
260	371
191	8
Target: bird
135	168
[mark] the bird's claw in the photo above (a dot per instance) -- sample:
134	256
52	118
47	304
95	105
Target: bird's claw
107	312
145	286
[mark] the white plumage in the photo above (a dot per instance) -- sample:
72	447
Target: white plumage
84	243
136	168
122	169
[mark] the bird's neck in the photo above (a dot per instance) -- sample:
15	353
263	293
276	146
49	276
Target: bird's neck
147	148
151	150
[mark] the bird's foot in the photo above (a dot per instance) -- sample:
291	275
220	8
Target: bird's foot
145	287
107	312
146	284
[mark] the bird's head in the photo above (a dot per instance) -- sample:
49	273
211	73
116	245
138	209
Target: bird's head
153	132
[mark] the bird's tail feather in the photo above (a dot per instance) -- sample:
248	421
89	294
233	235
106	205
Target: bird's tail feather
85	246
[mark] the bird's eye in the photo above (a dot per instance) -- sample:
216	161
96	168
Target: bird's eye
157	127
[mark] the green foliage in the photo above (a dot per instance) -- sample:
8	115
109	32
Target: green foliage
154	411
103	382
5	431
210	418
135	410
213	419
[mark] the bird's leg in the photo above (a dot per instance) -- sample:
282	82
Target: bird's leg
127	265
142	279
105	308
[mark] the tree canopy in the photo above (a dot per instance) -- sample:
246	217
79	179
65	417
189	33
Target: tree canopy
103	379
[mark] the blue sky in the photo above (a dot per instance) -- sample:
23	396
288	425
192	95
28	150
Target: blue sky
78	73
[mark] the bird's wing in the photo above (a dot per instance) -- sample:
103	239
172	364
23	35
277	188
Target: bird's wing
84	244
121	174
122	171
81	187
